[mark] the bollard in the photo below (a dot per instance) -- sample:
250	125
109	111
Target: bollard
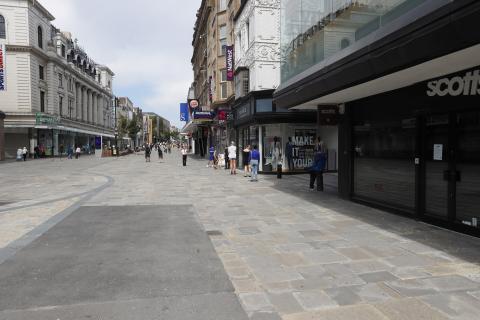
279	171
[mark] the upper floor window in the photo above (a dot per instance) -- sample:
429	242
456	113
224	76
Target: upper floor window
41	73
64	50
40	37
223	85
60	80
222	5
344	43
222	40
3	34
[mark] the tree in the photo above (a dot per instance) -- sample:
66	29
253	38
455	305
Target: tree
133	128
122	126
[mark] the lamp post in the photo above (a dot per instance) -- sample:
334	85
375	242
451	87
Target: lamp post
115	105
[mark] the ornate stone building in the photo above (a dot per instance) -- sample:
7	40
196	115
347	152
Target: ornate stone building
54	95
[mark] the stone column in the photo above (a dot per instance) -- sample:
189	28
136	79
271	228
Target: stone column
2	136
95	109
84	104
77	101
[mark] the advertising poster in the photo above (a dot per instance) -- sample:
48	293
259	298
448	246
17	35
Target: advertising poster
304	148
230	63
184	112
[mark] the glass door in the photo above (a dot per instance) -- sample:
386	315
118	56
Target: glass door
468	169
437	163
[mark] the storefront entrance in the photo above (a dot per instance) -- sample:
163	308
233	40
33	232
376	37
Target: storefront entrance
452	167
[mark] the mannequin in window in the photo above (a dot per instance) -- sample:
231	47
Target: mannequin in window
276	152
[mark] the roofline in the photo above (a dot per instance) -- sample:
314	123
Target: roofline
40	7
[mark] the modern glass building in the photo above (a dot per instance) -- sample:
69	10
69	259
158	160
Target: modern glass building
404	76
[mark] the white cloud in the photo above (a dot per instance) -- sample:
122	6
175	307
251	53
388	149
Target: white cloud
147	43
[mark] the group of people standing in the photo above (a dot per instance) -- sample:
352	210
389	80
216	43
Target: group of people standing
160	148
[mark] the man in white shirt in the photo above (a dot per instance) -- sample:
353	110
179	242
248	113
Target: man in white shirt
184	155
232	155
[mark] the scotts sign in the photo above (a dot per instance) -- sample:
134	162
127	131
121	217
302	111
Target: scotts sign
468	85
2	68
229	57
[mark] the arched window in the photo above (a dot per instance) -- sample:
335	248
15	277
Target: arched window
344	43
40	37
3	33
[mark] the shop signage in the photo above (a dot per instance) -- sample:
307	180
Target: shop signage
230	63
328	115
194	104
468	85
304	148
184	112
41	118
2	68
203	115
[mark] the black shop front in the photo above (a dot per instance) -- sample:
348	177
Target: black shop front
416	151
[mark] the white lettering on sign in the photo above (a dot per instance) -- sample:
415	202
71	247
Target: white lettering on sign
468	85
303	141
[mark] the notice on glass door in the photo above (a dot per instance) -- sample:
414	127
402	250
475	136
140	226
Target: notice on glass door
438	152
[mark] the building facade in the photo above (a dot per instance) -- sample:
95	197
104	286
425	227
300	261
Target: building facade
401	79
53	94
257	120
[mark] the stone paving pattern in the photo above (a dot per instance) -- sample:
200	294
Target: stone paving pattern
290	253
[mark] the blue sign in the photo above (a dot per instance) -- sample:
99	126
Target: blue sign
184	112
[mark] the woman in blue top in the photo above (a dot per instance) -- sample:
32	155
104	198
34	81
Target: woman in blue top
254	161
211	161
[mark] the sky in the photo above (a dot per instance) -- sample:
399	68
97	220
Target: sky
146	43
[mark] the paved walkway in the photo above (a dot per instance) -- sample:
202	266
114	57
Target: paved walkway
290	253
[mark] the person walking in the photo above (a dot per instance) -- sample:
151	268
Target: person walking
160	153
289	154
227	160
183	150
246	162
69	152
148	151
211	159
24	153
254	161
316	170
78	151
232	156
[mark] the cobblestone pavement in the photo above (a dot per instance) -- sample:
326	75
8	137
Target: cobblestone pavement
290	253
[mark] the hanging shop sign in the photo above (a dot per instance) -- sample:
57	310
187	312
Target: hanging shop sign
41	118
203	115
210	89
230	63
3	80
184	112
193	104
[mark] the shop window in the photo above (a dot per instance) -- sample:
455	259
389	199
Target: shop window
264	105
3	33
40	37
384	170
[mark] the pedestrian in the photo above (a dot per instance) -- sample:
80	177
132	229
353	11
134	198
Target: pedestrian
254	161
211	152
78	151
36	152
24	153
316	170
289	154
169	148
19	154
160	153
246	161
184	151
62	150
147	153
69	152
232	156
227	163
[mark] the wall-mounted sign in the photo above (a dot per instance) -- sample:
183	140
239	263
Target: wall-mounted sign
230	63
203	115
194	104
184	112
468	85
3	80
438	152
41	118
328	115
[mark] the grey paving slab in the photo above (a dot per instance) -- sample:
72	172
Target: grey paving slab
105	255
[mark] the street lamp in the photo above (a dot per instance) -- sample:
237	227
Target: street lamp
115	105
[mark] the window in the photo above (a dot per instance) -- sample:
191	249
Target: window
64	50
60	80
223	85
247	34
60	105
264	105
344	43
222	5
70	108
242	83
70	84
42	101
3	33
40	37
223	40
41	73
